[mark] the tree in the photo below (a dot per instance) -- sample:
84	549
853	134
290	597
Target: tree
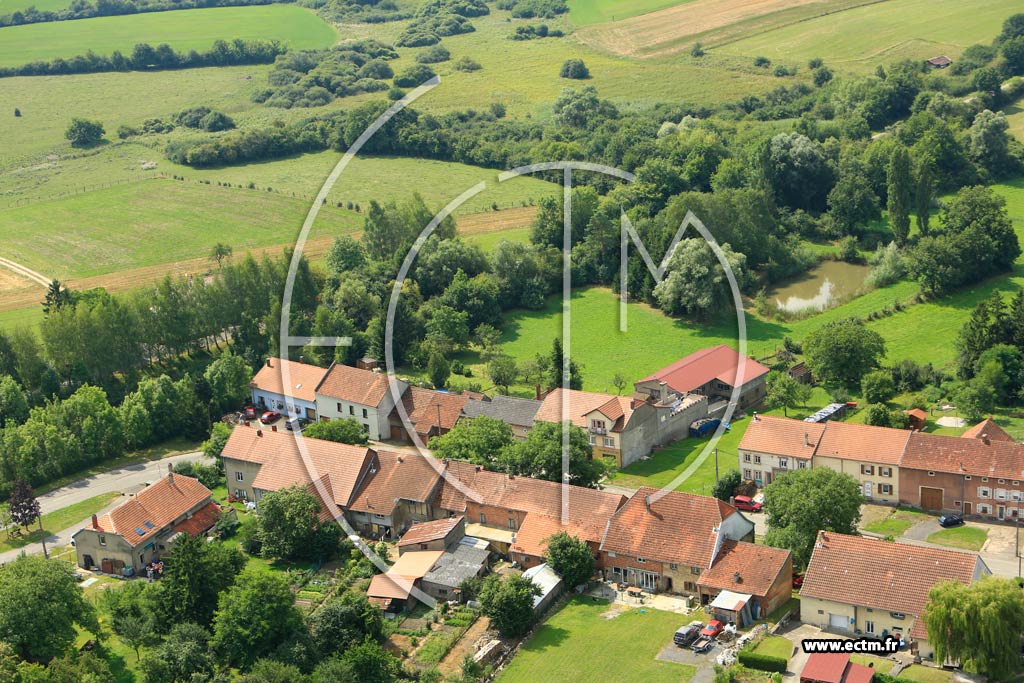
83	132
503	371
345	622
977	625
364	663
786	392
899	185
852	201
477	440
254	617
798	171
696	283
40	605
13	403
508	602
228	378
345	430
346	254
990	142
574	68
803	502
555	369
221	252
270	671
843	351
540	456
438	369
570	557
57	297
195	573
24	508
219	435
184	656
725	487
620	382
289	526
878	386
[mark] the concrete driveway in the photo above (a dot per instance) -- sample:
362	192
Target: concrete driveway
795	633
703	663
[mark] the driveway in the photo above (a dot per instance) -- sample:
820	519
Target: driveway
795	632
703	663
999	551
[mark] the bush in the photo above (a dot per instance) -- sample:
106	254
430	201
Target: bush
467	64
434	55
697	50
848	249
414	76
574	68
83	132
762	662
763	62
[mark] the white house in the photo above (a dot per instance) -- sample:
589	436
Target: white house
287	387
362	395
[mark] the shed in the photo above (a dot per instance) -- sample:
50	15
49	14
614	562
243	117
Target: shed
732	608
550	584
940	62
462	561
918	418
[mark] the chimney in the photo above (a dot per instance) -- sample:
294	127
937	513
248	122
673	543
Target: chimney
302	359
273	428
399	459
984	438
536	391
754	417
807	439
170	474
259	432
95	522
269	363
647	502
737	578
663	391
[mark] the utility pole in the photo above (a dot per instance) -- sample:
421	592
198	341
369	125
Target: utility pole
716	464
43	539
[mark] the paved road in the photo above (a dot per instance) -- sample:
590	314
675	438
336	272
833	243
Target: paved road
126	480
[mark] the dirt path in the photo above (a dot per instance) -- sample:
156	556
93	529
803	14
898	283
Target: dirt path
25	272
452	662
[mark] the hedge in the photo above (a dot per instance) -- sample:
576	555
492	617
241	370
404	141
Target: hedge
762	662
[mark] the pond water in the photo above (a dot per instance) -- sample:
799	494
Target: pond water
821	287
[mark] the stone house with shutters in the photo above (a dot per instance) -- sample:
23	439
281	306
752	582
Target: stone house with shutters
362	395
774	445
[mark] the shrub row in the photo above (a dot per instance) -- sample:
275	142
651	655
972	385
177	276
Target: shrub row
762	662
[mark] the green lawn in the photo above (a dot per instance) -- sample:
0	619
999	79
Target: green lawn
192	29
583	12
489	240
962	538
154	222
8	6
59	520
926	674
878	663
579	644
896	523
775	646
880	33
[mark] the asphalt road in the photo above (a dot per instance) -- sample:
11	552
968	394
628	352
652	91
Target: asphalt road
128	479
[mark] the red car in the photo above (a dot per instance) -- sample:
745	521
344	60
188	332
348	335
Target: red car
270	416
712	630
746	504
798	580
249	413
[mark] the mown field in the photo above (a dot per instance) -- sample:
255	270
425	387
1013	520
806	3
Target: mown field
580	643
7	6
860	38
194	29
584	12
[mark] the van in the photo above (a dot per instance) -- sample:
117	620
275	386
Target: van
687	634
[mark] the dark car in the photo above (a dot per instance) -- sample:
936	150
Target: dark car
270	416
250	413
951	520
746	504
296	424
685	636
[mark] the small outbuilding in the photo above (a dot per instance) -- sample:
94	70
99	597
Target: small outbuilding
549	582
918	418
940	62
732	608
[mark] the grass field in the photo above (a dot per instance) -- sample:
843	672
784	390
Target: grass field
580	644
880	33
962	538
583	12
59	520
896	523
193	29
8	6
926	674
879	664
775	646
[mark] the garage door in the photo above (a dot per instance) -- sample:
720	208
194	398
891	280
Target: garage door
838	621
931	498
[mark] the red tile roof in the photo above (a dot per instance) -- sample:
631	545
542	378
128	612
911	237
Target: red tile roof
425	532
678	527
617	409
302	378
757	566
537	528
154	508
720	363
862	443
930	452
405	476
283	464
201	520
354	385
883	575
425	407
781	436
834	668
989	428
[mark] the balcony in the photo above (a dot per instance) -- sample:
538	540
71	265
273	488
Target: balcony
594	429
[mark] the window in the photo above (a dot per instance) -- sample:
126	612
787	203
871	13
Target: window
746	474
695	571
956	503
239	476
967	477
885	489
1000	494
783	463
103	539
801	465
641	560
867	469
746	457
1015	496
897	615
984	492
757	459
593	440
511	523
364	412
869	626
984	509
931	474
673	565
1002	481
984	479
885	471
609	442
483	518
377	516
366	428
612	555
351	410
340	408
690	586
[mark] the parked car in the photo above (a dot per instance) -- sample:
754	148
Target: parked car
746	504
685	636
713	628
296	424
249	413
798	580
952	519
270	416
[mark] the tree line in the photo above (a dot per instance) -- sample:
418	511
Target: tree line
145	57
83	9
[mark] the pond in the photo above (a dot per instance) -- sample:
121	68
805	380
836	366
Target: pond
821	287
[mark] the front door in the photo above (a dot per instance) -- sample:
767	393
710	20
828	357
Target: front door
931	498
968	508
1001	512
648	581
867	489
